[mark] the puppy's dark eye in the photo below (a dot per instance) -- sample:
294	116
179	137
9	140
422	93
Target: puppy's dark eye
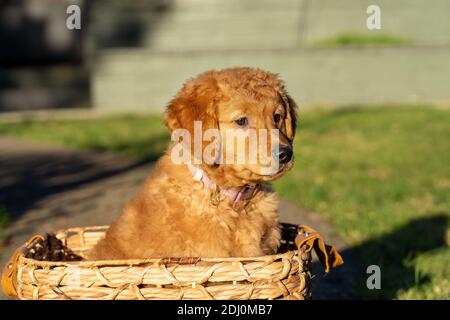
241	122
276	117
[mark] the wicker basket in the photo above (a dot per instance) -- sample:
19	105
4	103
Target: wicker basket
285	275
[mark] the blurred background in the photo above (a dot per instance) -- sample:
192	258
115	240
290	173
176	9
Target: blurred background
133	55
81	119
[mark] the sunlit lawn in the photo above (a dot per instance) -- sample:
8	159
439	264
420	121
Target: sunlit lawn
141	137
381	175
383	178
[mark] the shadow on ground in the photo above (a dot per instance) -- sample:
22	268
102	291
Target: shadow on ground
391	252
25	180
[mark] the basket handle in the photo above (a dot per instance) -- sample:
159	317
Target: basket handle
307	239
9	271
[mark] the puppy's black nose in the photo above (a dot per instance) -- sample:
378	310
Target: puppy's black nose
284	154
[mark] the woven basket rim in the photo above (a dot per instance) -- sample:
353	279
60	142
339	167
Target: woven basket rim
135	262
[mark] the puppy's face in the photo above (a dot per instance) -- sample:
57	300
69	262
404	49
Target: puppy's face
256	136
254	119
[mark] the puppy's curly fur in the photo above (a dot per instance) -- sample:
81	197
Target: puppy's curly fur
172	215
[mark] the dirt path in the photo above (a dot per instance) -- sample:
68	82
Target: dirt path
46	188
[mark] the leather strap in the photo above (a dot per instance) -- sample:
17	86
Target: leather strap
9	271
309	238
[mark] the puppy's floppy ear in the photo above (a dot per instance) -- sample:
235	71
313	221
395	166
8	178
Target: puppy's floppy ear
291	116
290	106
196	101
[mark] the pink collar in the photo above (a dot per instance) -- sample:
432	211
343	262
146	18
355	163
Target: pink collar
233	194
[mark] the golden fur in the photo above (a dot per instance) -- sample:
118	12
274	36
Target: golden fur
172	215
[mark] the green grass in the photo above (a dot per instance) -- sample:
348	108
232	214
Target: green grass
381	175
141	137
361	40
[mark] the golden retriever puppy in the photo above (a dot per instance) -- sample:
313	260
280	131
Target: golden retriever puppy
213	208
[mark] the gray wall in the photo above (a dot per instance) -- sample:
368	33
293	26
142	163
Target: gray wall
281	36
